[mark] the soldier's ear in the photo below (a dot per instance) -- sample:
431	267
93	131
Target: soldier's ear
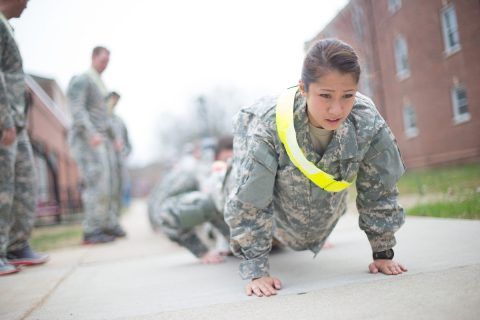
301	86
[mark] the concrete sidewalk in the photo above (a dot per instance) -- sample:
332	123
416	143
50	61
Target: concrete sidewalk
148	277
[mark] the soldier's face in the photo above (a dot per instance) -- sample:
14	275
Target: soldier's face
224	154
17	7
330	99
100	61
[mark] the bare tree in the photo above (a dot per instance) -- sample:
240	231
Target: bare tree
211	118
215	110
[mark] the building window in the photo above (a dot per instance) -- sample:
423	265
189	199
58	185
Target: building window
410	121
460	104
365	84
450	30
41	173
394	5
401	58
358	22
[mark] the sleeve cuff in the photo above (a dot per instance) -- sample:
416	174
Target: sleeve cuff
193	243
7	123
382	242
254	268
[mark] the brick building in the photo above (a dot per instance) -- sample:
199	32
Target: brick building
57	174
420	66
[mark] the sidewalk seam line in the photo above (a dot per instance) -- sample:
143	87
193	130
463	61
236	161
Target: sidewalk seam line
42	301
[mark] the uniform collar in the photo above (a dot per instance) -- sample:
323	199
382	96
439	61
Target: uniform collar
342	146
7	24
95	76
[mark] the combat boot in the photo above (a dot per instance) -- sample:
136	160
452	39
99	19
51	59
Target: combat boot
97	237
26	257
117	232
6	267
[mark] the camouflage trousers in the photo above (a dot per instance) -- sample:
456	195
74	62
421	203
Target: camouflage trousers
119	180
17	193
99	184
178	216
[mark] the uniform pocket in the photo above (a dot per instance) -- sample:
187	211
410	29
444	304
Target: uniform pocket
258	186
384	156
91	164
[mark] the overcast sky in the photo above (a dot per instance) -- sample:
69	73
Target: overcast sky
164	53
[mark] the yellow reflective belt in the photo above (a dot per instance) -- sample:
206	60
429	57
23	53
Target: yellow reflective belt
288	136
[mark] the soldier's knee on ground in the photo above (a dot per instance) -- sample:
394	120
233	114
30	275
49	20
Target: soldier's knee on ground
165	221
177	215
194	209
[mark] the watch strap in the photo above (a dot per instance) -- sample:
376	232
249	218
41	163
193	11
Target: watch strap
387	255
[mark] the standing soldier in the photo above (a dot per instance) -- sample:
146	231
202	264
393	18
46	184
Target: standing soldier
122	148
17	176
91	139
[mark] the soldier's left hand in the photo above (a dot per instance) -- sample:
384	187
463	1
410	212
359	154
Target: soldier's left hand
118	145
8	136
389	267
212	257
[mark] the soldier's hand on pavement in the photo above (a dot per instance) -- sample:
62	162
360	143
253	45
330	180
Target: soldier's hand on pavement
96	139
264	286
389	267
212	257
8	136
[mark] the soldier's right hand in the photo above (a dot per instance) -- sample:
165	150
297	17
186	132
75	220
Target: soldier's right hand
8	136
263	286
388	267
96	139
118	145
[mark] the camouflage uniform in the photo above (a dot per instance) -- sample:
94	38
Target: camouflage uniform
17	175
177	205
272	198
120	170
90	116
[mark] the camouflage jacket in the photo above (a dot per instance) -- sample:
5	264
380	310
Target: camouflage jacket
88	107
182	178
272	198
12	80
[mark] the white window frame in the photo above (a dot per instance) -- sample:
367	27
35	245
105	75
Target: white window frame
401	55
410	121
42	179
456	104
357	21
365	81
447	30
394	5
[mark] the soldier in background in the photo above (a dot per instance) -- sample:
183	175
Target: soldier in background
92	138
122	148
17	176
182	178
341	133
182	201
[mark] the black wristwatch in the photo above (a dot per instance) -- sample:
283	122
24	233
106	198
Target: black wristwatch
387	254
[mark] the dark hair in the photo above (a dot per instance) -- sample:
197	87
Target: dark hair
28	100
329	55
113	94
97	50
224	143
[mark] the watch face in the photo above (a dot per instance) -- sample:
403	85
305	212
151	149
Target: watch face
389	253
